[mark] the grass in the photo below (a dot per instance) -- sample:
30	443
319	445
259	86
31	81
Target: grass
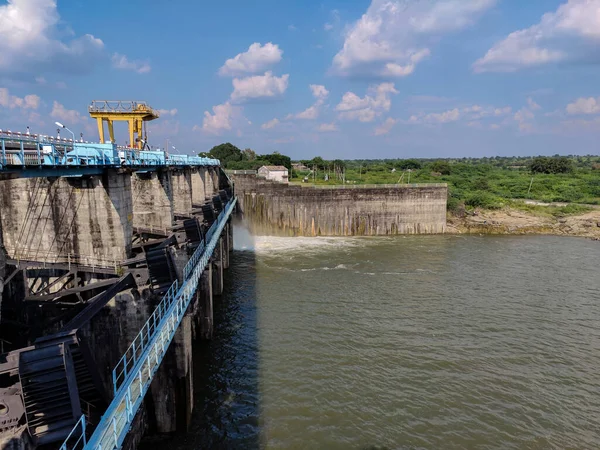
551	211
485	183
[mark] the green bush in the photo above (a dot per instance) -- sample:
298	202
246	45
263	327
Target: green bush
483	200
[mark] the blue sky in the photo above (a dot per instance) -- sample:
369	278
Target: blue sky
339	79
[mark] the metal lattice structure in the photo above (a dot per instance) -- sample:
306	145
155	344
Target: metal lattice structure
135	113
135	370
31	155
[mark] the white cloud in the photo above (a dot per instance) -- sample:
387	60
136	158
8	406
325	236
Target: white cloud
292	27
470	114
270	124
365	109
526	115
256	59
582	105
167	112
220	120
121	62
532	104
309	113
319	91
452	115
385	127
391	38
67	116
259	86
312	112
30	40
12	101
327	127
335	15
285	140
571	33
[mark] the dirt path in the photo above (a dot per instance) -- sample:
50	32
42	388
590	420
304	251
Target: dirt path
511	221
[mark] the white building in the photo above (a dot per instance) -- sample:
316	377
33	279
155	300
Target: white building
274	173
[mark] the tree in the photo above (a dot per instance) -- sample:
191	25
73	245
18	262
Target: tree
442	167
556	164
317	161
248	155
408	164
226	153
277	159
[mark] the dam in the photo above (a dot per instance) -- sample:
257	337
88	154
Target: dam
111	262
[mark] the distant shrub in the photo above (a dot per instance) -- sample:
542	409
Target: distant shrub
483	200
481	184
456	206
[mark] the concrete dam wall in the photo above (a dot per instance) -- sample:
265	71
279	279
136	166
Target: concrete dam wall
276	208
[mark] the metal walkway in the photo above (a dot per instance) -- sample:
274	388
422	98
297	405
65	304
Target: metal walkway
29	155
134	372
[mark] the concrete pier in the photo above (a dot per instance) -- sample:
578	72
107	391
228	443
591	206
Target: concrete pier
198	186
49	219
205	299
182	190
152	198
217	268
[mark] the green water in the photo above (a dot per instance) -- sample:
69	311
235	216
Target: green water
400	343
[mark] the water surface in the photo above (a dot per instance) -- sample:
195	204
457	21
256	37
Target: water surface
410	342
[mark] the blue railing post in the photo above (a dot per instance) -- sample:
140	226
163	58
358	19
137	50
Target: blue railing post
22	154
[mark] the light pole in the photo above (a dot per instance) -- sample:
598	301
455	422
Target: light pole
58	124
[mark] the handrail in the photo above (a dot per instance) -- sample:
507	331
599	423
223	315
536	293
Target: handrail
69	258
134	372
77	434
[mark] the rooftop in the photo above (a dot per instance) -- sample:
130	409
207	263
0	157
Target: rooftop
274	168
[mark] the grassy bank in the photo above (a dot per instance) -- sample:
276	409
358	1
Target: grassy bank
489	183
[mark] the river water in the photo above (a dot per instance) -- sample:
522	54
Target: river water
434	342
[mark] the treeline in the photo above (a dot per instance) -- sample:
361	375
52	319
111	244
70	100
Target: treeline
231	157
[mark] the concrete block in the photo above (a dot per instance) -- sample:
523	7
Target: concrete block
205	299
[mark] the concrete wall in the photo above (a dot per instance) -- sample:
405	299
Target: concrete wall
274	208
181	180
49	218
152	197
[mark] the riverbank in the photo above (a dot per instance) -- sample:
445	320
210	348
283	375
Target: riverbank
515	221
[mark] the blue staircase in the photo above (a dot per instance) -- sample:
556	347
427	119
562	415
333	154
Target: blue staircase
134	372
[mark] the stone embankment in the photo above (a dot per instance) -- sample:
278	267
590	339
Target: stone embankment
512	221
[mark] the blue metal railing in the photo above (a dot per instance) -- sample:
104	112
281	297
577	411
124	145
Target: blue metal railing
22	151
134	372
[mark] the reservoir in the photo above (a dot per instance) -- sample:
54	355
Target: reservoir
402	343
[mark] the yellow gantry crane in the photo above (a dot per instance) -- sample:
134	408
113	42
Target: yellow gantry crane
135	113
